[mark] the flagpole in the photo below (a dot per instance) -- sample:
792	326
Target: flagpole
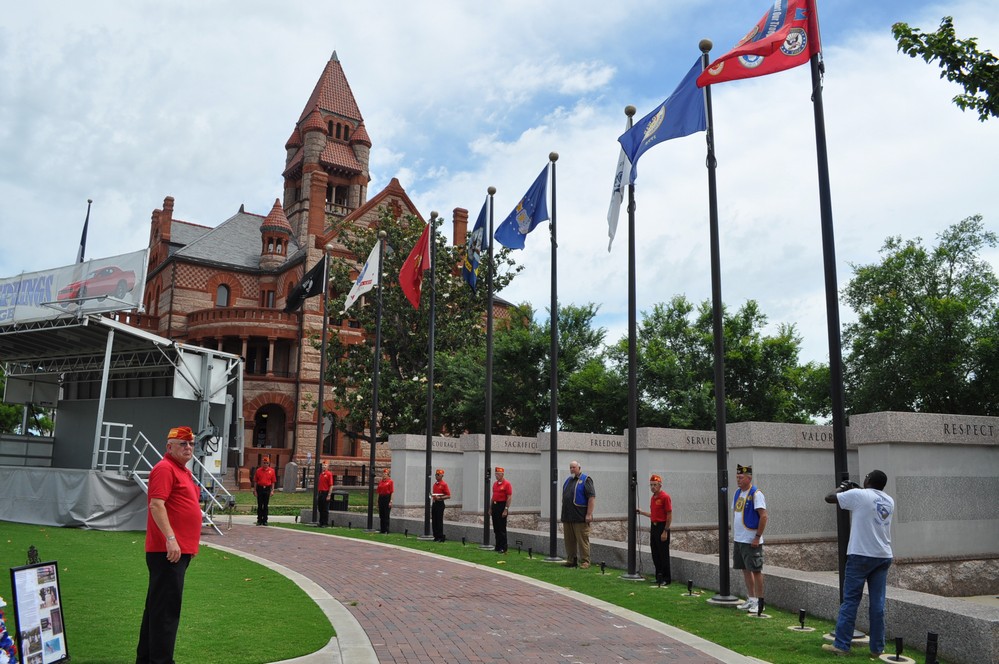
832	298
724	591
430	384
632	380
374	385
553	370
83	239
487	493
430	364
322	383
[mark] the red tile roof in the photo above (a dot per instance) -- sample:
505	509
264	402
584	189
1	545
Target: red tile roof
360	135
332	93
277	220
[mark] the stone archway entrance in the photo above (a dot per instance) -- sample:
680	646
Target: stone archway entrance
269	427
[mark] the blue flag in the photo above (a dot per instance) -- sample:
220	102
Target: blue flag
478	244
681	114
530	211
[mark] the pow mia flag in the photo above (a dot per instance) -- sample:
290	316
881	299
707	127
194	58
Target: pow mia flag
312	284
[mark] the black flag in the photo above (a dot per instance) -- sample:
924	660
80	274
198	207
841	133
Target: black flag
83	238
312	284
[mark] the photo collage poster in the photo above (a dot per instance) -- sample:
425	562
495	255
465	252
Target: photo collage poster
41	633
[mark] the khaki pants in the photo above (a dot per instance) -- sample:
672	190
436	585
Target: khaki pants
577	539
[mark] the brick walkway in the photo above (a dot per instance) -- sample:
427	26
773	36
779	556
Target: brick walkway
417	608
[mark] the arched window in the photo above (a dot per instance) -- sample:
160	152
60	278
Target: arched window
346	132
222	296
330	125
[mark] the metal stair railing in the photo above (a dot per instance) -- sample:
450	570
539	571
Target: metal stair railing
214	496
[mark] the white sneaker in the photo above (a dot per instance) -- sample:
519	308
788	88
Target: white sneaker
745	605
753	605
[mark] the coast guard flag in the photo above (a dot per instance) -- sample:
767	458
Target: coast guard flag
530	211
411	274
617	194
478	244
680	115
310	285
786	36
366	280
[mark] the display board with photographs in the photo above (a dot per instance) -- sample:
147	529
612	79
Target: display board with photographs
41	633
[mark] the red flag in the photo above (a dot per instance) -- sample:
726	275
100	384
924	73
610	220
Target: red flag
411	274
786	36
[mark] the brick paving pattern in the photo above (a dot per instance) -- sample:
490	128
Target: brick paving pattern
417	609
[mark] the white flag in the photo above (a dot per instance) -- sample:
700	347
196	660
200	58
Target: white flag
366	280
617	194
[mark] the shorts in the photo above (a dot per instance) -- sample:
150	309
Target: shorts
748	557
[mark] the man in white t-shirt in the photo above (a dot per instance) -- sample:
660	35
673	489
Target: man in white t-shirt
868	557
749	520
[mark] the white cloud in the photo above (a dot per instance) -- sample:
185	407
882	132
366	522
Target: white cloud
129	103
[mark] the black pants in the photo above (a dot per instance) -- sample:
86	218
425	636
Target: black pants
263	503
161	617
437	520
324	508
499	524
383	512
660	552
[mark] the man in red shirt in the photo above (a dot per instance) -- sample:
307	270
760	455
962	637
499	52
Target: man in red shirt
264	483
323	488
661	514
439	494
502	497
173	534
385	489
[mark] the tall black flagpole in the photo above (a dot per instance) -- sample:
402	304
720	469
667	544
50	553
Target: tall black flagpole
322	383
832	297
487	490
83	238
632	573
430	383
374	384
724	592
430	353
553	359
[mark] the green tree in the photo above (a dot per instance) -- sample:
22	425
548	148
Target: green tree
962	63
460	318
763	379
10	415
927	326
522	377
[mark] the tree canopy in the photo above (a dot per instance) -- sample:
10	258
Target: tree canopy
764	380
927	333
961	61
460	324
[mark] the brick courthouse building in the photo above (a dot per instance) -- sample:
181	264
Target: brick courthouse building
225	287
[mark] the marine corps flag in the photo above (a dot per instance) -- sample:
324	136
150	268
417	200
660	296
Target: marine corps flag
411	274
786	36
311	285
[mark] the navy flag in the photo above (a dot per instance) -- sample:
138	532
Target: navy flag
477	245
681	114
530	211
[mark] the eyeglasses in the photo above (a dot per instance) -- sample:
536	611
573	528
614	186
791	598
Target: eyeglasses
184	443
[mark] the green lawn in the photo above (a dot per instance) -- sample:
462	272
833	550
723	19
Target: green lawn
103	579
233	608
766	639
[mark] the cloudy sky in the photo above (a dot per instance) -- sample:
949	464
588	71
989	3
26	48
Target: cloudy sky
127	103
